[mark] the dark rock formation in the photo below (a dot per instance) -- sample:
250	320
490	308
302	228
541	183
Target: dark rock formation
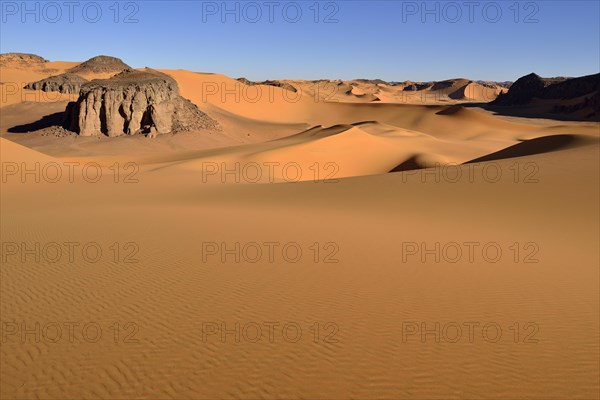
569	95
100	64
572	88
372	81
22	58
246	81
283	85
495	85
134	102
525	89
588	106
571	98
414	86
443	84
64	83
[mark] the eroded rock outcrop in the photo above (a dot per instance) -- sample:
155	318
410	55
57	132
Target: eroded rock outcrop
134	102
64	83
100	65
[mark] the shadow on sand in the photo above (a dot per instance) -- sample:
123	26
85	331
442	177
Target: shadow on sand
409	165
528	111
56	119
545	144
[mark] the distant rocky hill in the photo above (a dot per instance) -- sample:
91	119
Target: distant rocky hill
100	64
494	84
23	58
279	84
525	88
409	86
134	102
65	83
560	95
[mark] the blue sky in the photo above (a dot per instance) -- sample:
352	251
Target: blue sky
391	40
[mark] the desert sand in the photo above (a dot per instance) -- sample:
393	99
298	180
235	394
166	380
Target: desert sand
164	300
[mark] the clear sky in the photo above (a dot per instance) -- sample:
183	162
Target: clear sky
391	40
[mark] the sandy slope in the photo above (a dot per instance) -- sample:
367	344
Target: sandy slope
545	196
369	293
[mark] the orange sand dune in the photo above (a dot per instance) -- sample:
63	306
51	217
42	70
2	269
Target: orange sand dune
169	294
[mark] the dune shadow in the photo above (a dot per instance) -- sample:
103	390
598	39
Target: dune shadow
450	110
527	111
410	164
56	119
545	144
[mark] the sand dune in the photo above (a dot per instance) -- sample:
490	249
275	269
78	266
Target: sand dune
170	292
309	169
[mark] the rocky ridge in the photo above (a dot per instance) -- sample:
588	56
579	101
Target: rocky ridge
65	83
